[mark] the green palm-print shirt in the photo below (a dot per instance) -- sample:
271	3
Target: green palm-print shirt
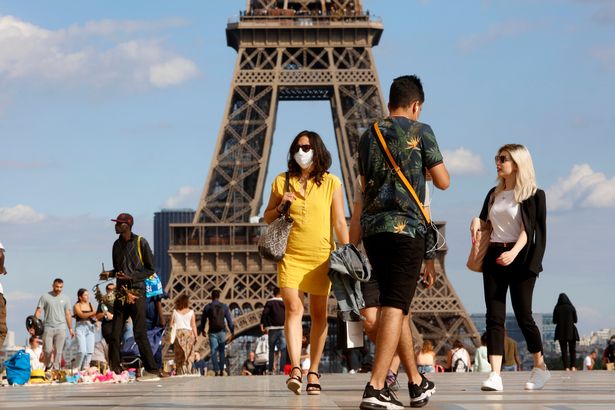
387	204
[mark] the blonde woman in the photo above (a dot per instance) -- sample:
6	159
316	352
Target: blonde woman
316	205
516	209
185	334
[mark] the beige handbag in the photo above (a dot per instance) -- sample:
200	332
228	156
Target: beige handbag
479	248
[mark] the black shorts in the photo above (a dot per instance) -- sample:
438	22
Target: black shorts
396	261
371	292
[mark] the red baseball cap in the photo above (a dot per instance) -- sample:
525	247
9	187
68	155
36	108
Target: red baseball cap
124	218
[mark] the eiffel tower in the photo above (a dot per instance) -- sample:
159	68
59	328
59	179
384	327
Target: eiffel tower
288	50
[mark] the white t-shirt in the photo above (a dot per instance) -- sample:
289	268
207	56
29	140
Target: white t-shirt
505	217
1	288
587	363
183	321
35	354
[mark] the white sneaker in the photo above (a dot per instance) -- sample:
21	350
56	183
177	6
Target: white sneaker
493	383
538	378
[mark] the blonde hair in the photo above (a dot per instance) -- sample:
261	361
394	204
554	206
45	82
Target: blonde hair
525	177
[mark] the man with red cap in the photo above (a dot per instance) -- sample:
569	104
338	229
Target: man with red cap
132	263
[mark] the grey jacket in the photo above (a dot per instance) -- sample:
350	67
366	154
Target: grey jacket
347	268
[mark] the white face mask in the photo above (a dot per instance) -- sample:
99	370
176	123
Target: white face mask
304	159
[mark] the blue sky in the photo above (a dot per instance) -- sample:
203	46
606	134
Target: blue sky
110	107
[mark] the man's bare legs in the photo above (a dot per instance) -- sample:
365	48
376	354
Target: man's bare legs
370	324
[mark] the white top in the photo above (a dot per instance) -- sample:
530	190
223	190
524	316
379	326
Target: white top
183	321
587	363
35	353
505	217
1	288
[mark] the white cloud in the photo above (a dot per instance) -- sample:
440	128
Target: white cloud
20	214
172	72
97	54
494	33
462	161
583	187
186	197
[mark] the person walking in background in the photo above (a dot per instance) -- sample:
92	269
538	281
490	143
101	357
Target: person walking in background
185	334
132	263
314	200
3	329
590	360
57	320
394	231
272	324
517	211
426	358
481	361
510	361
564	318
219	317
85	329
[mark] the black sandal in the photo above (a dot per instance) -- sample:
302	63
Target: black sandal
294	382
313	388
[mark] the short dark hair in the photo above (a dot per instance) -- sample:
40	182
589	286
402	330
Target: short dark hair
405	90
57	280
322	156
215	294
109	285
275	290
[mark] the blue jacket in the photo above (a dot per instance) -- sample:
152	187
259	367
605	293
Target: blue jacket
348	267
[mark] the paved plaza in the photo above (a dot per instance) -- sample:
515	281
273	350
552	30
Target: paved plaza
566	390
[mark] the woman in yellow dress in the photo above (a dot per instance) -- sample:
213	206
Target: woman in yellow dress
317	207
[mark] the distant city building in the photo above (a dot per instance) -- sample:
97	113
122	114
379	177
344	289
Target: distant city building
162	220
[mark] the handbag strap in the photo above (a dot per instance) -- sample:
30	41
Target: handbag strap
397	171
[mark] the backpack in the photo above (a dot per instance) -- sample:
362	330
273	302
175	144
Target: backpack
216	318
262	350
18	368
459	365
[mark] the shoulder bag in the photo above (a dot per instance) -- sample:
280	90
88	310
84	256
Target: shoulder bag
272	243
479	248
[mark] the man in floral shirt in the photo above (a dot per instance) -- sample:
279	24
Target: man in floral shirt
393	231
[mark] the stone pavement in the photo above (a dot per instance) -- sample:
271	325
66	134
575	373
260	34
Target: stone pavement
455	391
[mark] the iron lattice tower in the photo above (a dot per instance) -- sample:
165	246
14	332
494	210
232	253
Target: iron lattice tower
303	50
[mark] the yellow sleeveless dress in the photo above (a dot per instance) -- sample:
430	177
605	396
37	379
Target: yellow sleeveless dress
306	262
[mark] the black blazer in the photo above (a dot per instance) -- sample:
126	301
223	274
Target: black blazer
534	217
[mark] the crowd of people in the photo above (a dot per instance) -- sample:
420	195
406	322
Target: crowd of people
392	220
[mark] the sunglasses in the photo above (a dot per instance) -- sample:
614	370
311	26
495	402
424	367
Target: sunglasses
304	147
502	159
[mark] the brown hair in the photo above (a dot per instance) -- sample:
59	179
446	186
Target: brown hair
182	302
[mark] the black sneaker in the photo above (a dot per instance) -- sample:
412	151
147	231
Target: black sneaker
418	395
428	385
379	399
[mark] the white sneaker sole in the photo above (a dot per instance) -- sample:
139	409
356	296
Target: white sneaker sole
373	403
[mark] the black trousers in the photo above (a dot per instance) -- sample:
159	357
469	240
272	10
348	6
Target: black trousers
497	280
136	311
569	353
